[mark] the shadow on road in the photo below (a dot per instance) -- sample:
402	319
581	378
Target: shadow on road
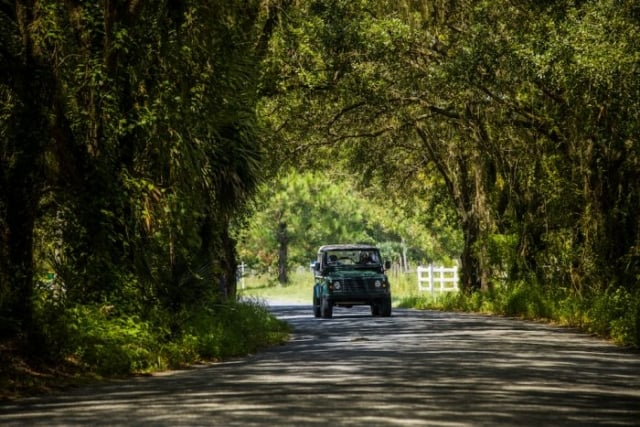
414	368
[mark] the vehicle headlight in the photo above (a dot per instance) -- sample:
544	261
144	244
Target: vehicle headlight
337	285
377	283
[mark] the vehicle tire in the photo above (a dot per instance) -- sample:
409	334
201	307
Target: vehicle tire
316	306
375	309
326	309
385	308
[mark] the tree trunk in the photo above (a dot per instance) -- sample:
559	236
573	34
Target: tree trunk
230	264
465	184
283	242
22	179
470	270
405	263
16	277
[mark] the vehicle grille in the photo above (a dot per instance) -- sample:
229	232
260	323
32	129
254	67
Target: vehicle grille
359	286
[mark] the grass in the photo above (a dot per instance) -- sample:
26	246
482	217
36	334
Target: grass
96	344
298	291
609	314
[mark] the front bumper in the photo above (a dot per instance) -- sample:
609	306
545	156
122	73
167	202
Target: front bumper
357	298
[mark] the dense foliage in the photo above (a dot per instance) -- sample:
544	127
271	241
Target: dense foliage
133	136
129	141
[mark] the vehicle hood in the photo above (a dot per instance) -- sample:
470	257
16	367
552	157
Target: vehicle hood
355	274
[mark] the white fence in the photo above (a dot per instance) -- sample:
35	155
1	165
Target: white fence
437	279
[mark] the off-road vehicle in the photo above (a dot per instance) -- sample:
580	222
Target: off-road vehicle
348	275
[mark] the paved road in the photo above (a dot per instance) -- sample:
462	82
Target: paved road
412	369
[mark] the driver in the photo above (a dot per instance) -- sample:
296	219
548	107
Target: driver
365	258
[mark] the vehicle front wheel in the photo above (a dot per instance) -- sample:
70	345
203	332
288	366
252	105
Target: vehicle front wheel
385	308
326	309
316	306
375	309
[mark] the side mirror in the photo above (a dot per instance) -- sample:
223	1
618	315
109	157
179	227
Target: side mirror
387	265
316	266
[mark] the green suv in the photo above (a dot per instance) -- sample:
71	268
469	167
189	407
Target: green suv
348	275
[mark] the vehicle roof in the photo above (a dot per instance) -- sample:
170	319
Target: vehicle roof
346	247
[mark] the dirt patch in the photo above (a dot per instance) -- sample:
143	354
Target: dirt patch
23	376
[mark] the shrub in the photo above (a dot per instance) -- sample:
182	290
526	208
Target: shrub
615	313
234	328
111	344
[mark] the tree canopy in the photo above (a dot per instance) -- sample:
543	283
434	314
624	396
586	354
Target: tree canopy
524	114
134	136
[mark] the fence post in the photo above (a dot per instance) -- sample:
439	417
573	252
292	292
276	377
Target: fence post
431	277
455	277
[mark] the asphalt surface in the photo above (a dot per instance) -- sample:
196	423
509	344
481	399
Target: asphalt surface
416	368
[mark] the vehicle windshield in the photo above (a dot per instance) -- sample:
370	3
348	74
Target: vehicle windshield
355	257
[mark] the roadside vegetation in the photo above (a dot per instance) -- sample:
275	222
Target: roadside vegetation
88	343
613	316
